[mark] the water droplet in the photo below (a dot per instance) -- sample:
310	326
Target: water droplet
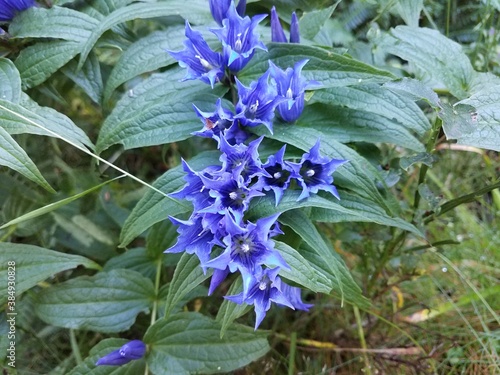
444	269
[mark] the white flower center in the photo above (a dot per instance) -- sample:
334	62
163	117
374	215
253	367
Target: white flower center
310	173
238	44
204	63
289	93
277	175
253	107
233	195
245	248
262	285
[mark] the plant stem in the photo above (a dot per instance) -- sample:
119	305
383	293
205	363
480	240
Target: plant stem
157	290
74	347
362	340
293	349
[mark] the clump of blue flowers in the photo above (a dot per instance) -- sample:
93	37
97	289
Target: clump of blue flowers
9	8
217	231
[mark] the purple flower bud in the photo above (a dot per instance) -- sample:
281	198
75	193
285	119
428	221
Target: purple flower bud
219	9
132	350
9	8
277	33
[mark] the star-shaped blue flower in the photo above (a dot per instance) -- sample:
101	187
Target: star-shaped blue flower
257	103
279	175
9	8
315	172
201	62
291	85
277	33
239	39
248	246
132	350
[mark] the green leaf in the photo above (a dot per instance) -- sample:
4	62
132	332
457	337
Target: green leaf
363	126
311	22
54	206
106	302
153	207
34	264
133	259
56	22
187	276
24	118
196	11
10	89
162	236
301	272
157	111
403	112
145	55
422	157
415	90
409	10
38	62
329	68
89	78
14	157
475	121
324	256
189	343
103	348
433	53
230	311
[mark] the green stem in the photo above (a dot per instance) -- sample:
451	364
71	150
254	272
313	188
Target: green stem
157	290
293	350
362	340
11	229
74	347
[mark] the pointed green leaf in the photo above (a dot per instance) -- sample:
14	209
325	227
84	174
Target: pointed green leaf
10	89
311	22
157	111
230	311
106	302
14	157
409	10
189	343
89	78
34	264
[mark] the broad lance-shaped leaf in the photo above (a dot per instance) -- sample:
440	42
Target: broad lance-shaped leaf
377	100
230	311
187	276
433	53
328	68
157	111
29	117
475	121
363	126
145	55
36	63
342	282
10	89
13	156
153	207
311	22
104	347
106	302
34	264
195	10
89	78
56	23
189	343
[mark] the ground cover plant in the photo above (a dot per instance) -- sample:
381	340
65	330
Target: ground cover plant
261	187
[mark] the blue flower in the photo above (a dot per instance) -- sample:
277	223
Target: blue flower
291	85
294	297
248	247
277	33
239	39
201	62
132	350
257	103
219	9
230	194
242	160
279	175
264	288
214	123
315	172
9	8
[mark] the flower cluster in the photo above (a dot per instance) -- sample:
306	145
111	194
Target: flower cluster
217	231
9	8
